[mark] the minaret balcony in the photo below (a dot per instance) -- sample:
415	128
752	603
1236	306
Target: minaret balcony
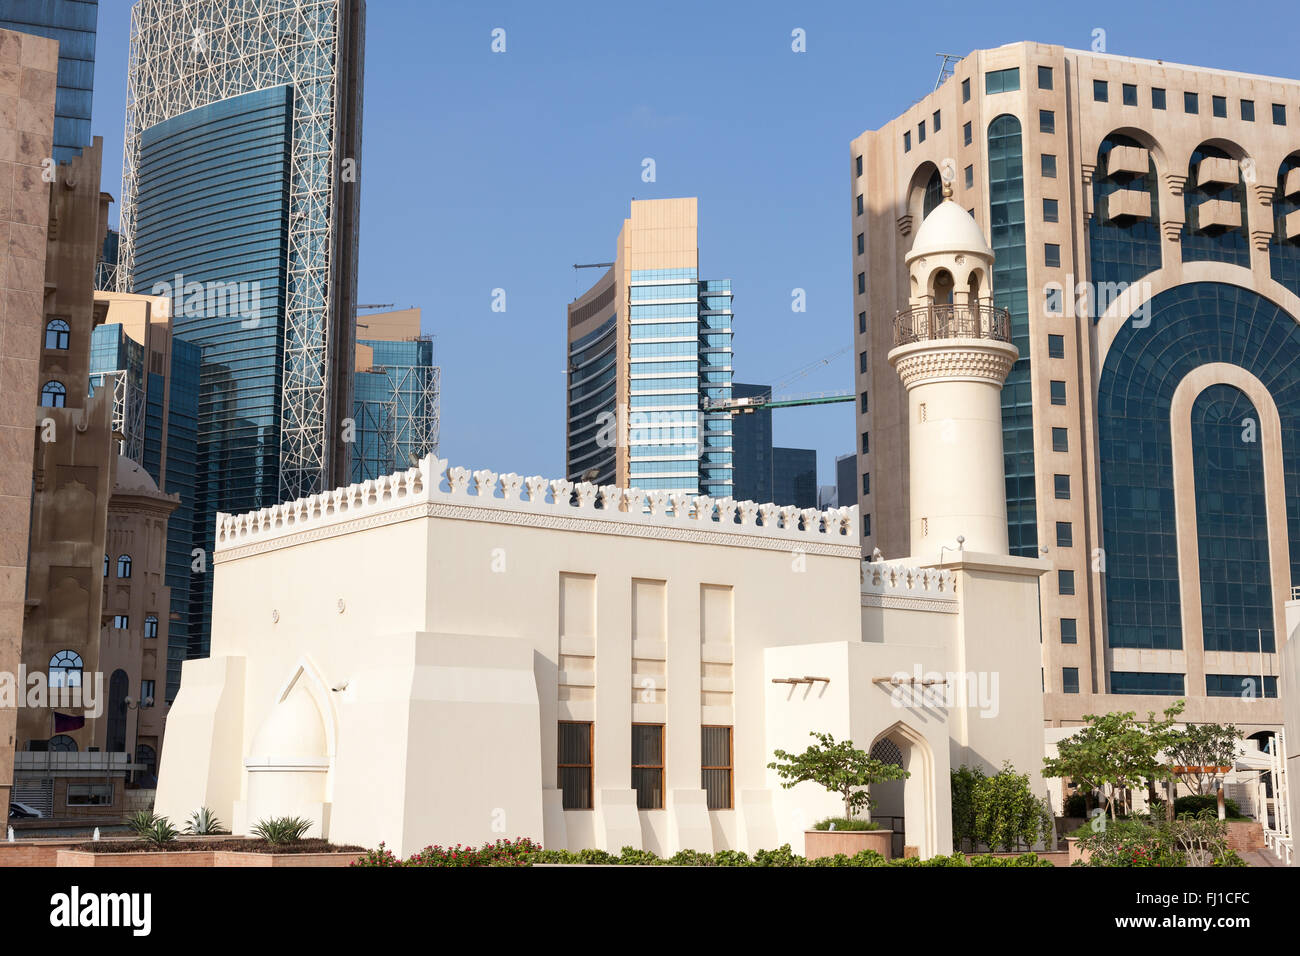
925	323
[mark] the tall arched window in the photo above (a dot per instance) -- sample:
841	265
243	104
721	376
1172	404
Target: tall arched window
53	395
62	743
151	626
65	669
119	685
123	565
56	334
106	562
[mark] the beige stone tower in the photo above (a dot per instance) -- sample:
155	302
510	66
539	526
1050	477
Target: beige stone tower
952	350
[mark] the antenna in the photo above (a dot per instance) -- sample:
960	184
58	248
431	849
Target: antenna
947	60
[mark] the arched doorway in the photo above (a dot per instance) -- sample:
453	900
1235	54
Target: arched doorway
913	796
118	686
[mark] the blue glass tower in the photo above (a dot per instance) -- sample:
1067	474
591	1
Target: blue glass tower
73	24
395	407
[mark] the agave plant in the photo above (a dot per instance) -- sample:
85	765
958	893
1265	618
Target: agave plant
281	831
160	833
141	822
204	822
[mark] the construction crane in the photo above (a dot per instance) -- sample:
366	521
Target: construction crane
592	265
751	404
380	305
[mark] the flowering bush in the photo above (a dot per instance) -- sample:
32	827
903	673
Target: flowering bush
1155	842
501	853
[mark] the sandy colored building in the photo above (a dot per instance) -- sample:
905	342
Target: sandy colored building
443	656
1146	222
28	66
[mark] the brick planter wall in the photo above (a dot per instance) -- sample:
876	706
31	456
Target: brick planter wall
193	858
819	843
228	858
1245	835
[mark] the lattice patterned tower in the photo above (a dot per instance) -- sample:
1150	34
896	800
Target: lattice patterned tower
952	350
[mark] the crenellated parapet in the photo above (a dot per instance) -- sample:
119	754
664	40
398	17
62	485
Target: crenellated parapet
907	586
432	489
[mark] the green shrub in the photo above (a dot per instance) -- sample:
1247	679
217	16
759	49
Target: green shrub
160	834
141	822
204	822
629	856
1076	805
731	858
282	831
1195	805
690	858
1155	842
783	856
845	823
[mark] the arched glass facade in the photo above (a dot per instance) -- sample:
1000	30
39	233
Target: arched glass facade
1122	251
1231	522
1284	253
1228	245
1190	325
1011	292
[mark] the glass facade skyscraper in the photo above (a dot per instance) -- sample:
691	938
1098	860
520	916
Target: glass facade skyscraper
752	441
240	202
397	395
73	23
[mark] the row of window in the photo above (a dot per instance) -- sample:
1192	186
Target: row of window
1247	686
576	758
1191	102
66	669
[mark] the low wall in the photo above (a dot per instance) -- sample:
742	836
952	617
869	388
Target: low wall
819	843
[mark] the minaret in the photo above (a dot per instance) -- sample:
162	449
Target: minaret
952	349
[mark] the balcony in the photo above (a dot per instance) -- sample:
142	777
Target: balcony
1127	161
1217	171
1128	204
1218	215
926	323
1291	224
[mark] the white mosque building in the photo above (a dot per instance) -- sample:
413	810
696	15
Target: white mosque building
441	656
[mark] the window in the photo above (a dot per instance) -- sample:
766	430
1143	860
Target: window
862	243
966	135
1058	392
862	283
715	766
859	204
1157	98
648	765
1137	682
866	483
1062	483
1065	582
1069	630
106	565
1052	255
151	626
574	764
858	163
862	361
1045	78
1046	121
56	334
1216	685
920	132
864	401
63	744
1064	534
1190	104
1130	94
866	525
1051	210
1002	81
935	120
1279	114
1248	110
1070	680
907	142
90	795
965	90
862	323
121	622
866	443
53	395
1060	439
123	565
1049	165
970	176
1219	106
1052	298
1100	91
65	669
146	693
1056	346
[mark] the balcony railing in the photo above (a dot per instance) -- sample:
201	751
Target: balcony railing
924	323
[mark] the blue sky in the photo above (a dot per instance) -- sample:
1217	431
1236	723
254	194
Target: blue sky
485	170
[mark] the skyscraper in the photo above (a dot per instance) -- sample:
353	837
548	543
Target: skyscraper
752	443
240	200
794	477
649	345
1145	219
396	394
73	24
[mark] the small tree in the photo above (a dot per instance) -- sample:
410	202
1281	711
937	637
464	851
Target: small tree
1205	746
1116	751
1007	814
839	767
965	782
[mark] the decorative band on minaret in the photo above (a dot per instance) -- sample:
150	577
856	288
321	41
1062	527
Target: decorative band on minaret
952	350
